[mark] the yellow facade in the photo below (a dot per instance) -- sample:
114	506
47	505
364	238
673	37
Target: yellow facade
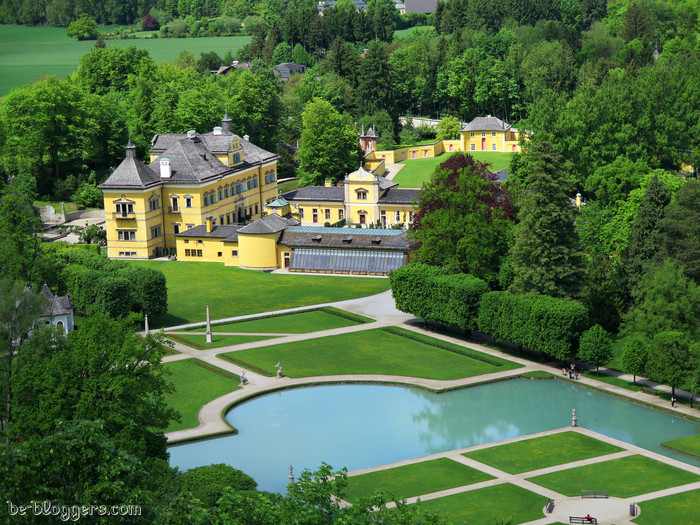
142	222
258	251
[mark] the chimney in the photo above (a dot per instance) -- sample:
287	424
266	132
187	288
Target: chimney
246	137
191	134
165	168
210	223
226	124
217	130
130	149
328	183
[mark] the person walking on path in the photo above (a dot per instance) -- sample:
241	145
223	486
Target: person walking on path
673	402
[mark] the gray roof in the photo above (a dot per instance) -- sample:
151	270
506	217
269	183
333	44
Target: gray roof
131	173
345	238
57	305
488	123
316	193
272	223
385	183
227	233
421	6
399	196
216	143
287	69
191	162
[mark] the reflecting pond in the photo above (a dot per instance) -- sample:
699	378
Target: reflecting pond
360	426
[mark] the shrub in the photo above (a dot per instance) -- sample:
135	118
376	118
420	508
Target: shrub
538	322
150	23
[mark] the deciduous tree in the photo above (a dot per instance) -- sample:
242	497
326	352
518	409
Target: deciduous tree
595	346
329	147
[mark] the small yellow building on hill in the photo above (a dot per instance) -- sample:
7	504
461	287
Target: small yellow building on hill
190	177
363	198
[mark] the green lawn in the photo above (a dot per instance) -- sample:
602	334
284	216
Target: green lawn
293	323
622	478
485	506
401	33
417	171
199	341
677	508
374	351
230	291
688	445
195	386
28	53
542	452
414	480
284	187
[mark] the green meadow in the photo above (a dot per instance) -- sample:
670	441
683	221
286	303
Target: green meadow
29	53
417	171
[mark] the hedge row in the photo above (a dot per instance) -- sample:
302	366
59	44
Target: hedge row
436	295
187	342
214	369
117	287
254	368
537	322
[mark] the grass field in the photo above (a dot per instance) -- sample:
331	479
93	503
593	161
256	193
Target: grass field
417	171
231	291
29	53
374	351
677	508
195	386
485	506
413	480
688	445
294	323
198	341
401	33
542	452
622	478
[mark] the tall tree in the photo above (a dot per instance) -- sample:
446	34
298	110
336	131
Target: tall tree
595	346
329	147
547	258
462	218
679	229
374	88
19	310
645	238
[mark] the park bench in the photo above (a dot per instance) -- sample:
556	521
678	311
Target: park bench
594	493
582	519
550	506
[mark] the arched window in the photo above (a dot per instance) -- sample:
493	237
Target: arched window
221	193
206	199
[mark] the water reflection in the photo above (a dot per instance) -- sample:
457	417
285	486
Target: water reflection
359	426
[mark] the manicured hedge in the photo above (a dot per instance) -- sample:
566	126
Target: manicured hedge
436	295
537	322
116	287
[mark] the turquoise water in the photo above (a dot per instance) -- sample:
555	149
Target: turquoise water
360	426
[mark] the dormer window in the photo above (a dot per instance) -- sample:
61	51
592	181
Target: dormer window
376	240
316	238
347	240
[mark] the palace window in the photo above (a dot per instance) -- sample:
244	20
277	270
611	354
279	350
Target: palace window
328	215
124	207
301	212
493	147
472	134
175	204
212	197
176	229
221	194
226	191
234	253
188	201
397	216
483	133
361	195
189	226
153	203
314	215
493	133
126	235
155	232
341	214
236	158
472	147
256	209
